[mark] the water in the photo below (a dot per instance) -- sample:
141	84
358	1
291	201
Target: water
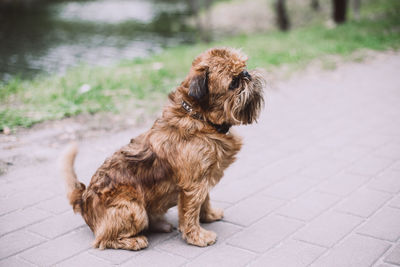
51	36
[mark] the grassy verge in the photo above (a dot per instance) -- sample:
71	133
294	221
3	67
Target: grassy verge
23	103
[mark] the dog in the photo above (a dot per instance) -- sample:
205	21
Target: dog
176	162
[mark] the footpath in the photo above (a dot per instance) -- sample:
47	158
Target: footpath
316	184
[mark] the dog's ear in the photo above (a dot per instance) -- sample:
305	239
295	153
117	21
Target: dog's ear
198	87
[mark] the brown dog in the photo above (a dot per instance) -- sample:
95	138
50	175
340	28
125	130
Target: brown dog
176	162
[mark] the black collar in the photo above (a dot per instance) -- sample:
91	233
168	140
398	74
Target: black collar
221	128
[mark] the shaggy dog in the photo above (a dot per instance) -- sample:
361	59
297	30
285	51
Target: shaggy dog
176	162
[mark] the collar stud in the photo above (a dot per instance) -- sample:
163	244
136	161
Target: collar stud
221	128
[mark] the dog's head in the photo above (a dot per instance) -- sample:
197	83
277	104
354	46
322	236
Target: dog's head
224	89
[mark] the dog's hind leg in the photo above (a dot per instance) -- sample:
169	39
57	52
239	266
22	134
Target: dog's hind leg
209	214
120	227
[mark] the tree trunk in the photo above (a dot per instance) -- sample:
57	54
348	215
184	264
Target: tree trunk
315	5
356	6
206	32
282	18
339	11
202	26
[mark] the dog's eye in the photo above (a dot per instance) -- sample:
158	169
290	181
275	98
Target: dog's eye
235	83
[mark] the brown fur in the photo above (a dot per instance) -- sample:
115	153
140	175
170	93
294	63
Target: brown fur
176	162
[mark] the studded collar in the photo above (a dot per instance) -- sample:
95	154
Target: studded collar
220	128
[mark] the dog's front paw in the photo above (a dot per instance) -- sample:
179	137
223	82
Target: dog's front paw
212	215
200	237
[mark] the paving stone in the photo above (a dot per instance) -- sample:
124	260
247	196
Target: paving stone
83	260
390	150
323	131
351	152
58	225
157	238
22	200
394	256
155	258
296	143
389	181
391	130
56	187
309	206
113	256
309	156
236	170
290	187
324	168
55	205
369	166
223	256
265	233
396	166
327	229
15	262
18	241
21	218
288	166
223	229
383	225
43	173
342	184
220	204
251	209
59	249
7	189
395	202
239	189
249	156
336	141
178	246
290	253
364	202
373	140
355	251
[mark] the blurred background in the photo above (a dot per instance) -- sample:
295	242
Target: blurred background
52	35
85	56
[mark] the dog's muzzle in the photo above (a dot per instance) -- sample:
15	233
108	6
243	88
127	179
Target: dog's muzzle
246	74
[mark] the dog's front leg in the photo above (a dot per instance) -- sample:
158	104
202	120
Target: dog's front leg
209	214
189	205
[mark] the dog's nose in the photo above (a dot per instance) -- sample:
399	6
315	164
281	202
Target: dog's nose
246	74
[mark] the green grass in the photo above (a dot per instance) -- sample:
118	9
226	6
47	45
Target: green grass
25	102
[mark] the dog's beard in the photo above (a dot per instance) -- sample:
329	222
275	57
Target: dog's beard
247	104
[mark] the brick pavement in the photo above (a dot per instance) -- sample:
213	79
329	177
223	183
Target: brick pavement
316	184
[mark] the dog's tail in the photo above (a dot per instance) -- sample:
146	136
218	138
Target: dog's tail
74	188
